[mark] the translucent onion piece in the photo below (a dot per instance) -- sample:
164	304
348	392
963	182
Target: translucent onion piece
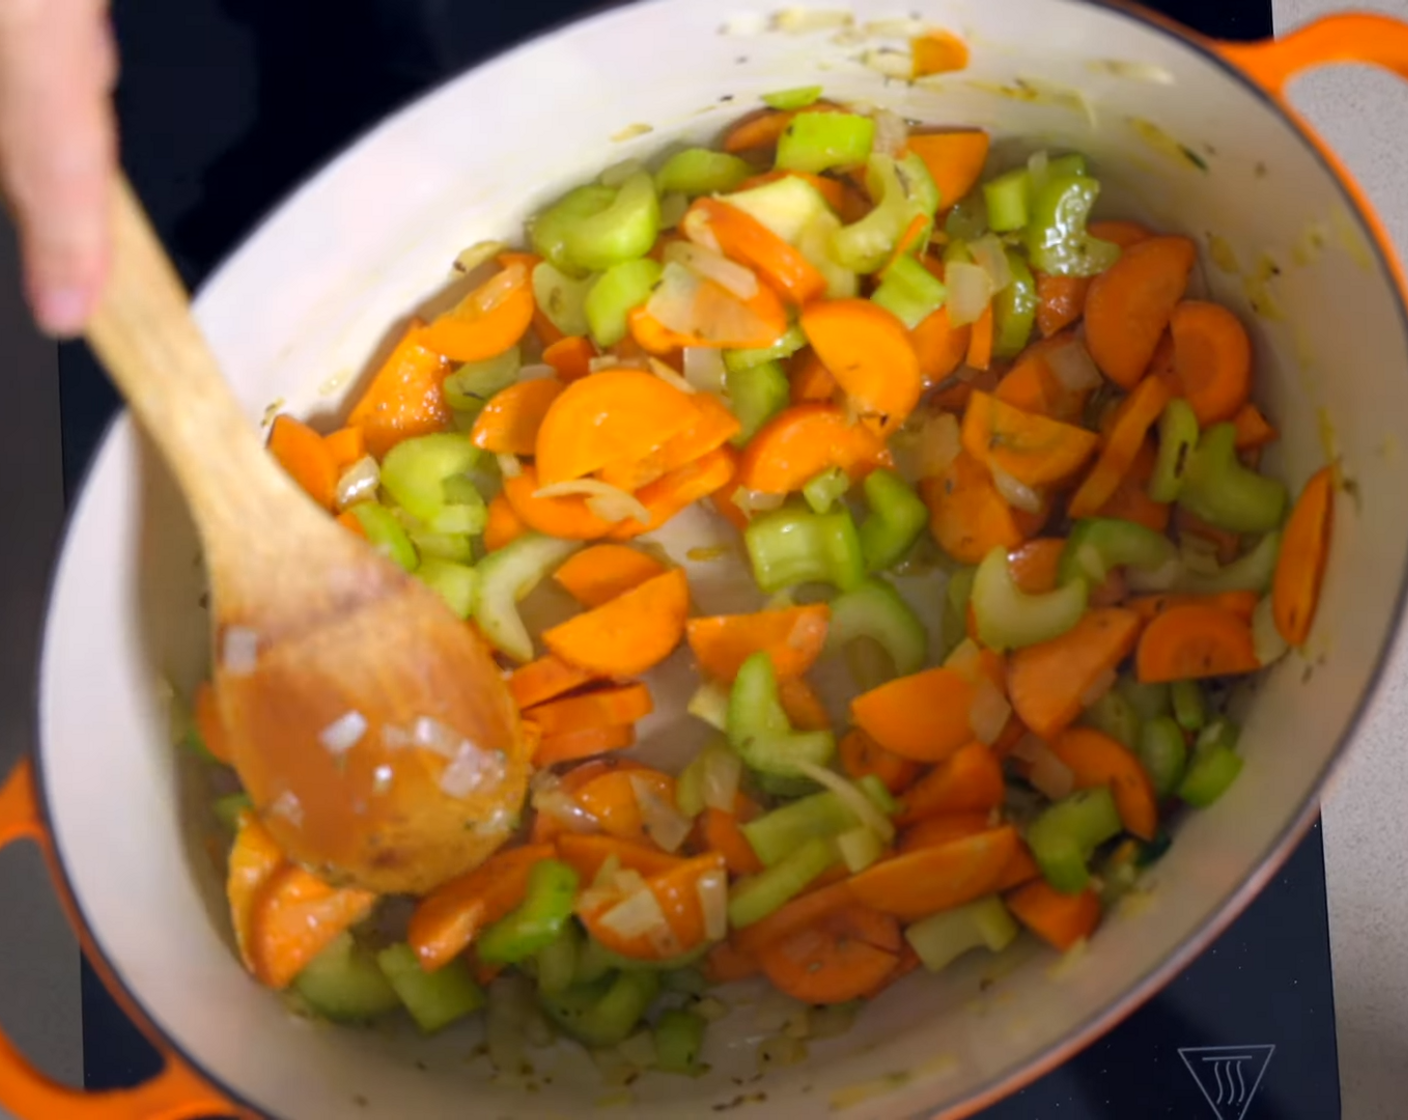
710	265
239	652
471	258
608	502
639	1049
713	900
1267	642
989	712
704	368
498	288
852	796
891	133
509	466
755	501
472	770
1073	366
637	915
991	257
1016	494
939	445
969	292
673	302
664	824
343	733
1050	776
671	377
1162	578
538	371
723	770
358	482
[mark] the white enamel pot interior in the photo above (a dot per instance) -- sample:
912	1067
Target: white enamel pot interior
299	312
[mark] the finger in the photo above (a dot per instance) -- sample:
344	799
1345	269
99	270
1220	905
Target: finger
58	150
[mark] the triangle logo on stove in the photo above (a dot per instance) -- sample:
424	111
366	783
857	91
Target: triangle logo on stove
1228	1076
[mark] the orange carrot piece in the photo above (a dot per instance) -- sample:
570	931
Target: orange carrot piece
570	357
677	491
724	964
968	517
924	716
803	706
544	679
1132	422
742	238
1130	305
1061	920
601	707
792	638
1060	301
722	322
1131	501
504	525
1032	448
205	710
580	776
712	427
1032	385
802	911
611	798
810	379
764	128
508	424
845	955
829	189
939	346
405	398
1124	234
568	517
802	441
969	781
939	52
1239	603
304	454
1212	357
587	852
599	574
923	882
254	860
346	446
1300	568
1034	565
1253	429
908	243
631	474
447	920
569	746
1047	682
980	342
862	755
1095	760
349	521
1192	642
928	832
720	832
1022	868
954	159
869	353
677	892
631	633
296	917
489	320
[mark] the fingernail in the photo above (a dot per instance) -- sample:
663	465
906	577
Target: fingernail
61	311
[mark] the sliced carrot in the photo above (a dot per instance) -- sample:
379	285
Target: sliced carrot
1032	448
764	128
1305	549
939	52
1229	544
489	320
1131	302
869	353
406	397
447	920
980	342
1061	920
810	379
728	509
861	755
804	910
504	525
631	474
1239	603
909	241
1022	868
677	892
1213	359
969	781
508	424
675	492
1095	759
721	321
803	706
842	957
939	346
610	797
742	238
829	189
1033	386
569	746
724	964
1121	233
211	728
304	454
601	707
1131	501
713	426
570	357
599	574
255	859
544	679
927	832
631	633
1161	365
352	523
1253	429
296	917
802	441
611	415
1047	683
968	517
587	853
346	446
923	882
954	159
1192	642
1132	422
569	516
792	638
1060	301
1035	565
924	716
720	832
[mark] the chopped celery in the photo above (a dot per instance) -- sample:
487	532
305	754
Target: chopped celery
549	228
454	582
415	472
968	219
455	547
1178	437
593	962
384	533
1214	766
758	728
919	185
715	757
623	231
941	939
1163	753
1149	701
1097	545
679	1038
604	1013
230	808
791	99
506	576
617	292
776	785
786	206
697	171
469	388
896	519
1071	164
1009	618
958	593
537	921
1217	488
817	142
865	245
754	898
434	999
815	243
1189	708
755	395
686	981
790	546
878	792
597	955
736	361
344	984
909	292
817	816
1057	241
1065	835
1014	310
1250	572
1007	198
859	848
1113	714
826	489
710	703
556	962
875	610
562	298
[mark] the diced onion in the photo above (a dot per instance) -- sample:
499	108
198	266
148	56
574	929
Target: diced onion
435	736
673	207
612	361
509	466
891	133
358	482
343	733
696	226
852	796
989	711
1015	493
965	660
639	1049
890	62
1073	366
1267	643
1050	776
707	264
969	292
538	371
498	288
1199	556
1028	748
670	376
755	501
713	900
781	1051
723	770
674	299
685	303
472	770
710	703
239	652
1162	578
664	824
1098	687
711	1009
926	446
637	915
551	800
704	368
481	251
990	255
608	502
288	806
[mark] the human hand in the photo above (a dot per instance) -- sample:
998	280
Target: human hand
58	145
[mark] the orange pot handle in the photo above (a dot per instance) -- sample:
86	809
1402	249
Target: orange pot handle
1272	63
174	1094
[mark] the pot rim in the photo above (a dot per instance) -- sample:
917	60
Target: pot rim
1077	1039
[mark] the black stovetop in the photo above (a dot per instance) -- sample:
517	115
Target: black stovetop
226	104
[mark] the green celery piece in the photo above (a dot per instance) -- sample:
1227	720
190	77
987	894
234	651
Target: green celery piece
736	361
789	100
1057	241
1189	707
455	547
685	981
597	954
1113	714
1097	545
941	939
817	142
919	185
785	206
229	808
1007	198
623	231
710	704
878	792
788	547
1014	310
414	472
556	962
1163	753
537	921
755	395
469	388
859	848
689	789
455	582
505	578
1252	571
754	898
548	230
957	252
697	171
1065	835
1217	488
593	962
1071	164
1149	701
910	292
865	245
344	984
875	610
778	786
814	243
434	999
826	489
817	816
758	728
604	1013
679	1039
968	219
958	593
617	292
562	298
1178	438
896	519
1214	766
385	534
1008	618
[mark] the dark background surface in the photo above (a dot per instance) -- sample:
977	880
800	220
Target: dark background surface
226	105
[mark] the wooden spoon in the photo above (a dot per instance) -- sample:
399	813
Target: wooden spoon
370	726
